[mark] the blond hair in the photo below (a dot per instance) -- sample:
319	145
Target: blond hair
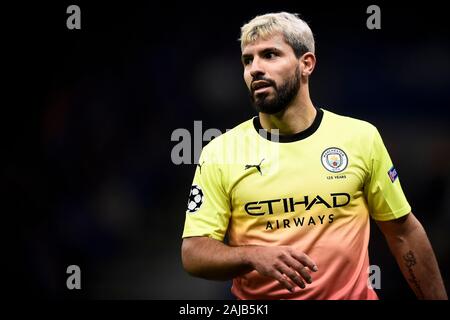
296	32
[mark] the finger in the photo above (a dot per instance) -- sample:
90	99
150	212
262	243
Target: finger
292	275
283	280
305	275
306	260
299	268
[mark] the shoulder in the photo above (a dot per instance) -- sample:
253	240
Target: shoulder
353	126
230	138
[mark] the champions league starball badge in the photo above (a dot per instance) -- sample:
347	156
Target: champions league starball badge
334	160
195	199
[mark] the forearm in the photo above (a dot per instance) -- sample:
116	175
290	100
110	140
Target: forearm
417	261
211	259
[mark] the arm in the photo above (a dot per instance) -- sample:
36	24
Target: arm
411	248
211	259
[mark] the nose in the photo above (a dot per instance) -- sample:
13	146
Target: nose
256	68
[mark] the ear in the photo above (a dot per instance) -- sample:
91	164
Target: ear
307	62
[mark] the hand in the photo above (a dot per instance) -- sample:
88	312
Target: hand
285	264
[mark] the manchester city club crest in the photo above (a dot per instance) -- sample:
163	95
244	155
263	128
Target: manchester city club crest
334	160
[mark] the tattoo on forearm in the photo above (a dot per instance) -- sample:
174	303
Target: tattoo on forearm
410	261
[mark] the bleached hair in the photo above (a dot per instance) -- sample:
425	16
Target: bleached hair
296	32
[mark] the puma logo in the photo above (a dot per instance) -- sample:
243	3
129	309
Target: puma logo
257	166
200	166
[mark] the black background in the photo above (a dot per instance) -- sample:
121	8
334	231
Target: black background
88	116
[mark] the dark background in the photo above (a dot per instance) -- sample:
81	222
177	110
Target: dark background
87	175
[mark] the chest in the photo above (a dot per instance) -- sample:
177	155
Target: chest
298	179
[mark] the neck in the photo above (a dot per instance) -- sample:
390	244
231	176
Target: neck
296	117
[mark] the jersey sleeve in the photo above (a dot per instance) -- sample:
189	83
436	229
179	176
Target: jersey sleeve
209	214
382	187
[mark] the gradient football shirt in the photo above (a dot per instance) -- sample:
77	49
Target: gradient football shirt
314	190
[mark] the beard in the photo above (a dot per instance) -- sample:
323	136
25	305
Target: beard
284	94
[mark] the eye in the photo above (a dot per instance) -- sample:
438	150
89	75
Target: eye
246	61
270	55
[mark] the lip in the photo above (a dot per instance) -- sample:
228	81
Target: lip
260	84
261	89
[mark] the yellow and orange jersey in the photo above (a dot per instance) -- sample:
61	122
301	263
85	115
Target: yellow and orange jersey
314	190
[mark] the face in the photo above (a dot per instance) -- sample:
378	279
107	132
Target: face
272	74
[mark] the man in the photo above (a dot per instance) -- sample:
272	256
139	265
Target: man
296	207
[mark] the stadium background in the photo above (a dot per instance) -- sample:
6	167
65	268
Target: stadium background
88	177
